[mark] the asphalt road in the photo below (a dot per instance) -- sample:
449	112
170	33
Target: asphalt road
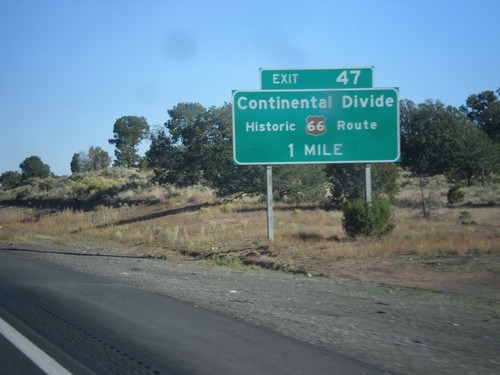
90	324
14	362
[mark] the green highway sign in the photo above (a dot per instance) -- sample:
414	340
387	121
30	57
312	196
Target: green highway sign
316	126
304	79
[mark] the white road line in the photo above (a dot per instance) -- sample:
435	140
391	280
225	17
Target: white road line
39	357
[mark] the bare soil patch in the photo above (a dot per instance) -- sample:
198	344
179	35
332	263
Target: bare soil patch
474	276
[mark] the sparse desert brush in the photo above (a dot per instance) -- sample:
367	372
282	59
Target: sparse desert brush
131	174
7	195
481	195
85	188
445	232
133	214
54	224
6	235
10	215
92	186
213	210
197	194
154	193
188	195
64	222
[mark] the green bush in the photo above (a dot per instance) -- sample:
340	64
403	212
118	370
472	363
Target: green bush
89	187
10	180
455	195
466	218
368	220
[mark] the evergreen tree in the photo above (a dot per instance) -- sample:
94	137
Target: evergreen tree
483	110
128	131
438	139
33	167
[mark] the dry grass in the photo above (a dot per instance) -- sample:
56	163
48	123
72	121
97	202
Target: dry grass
186	223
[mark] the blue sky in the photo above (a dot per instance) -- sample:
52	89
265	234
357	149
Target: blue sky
70	68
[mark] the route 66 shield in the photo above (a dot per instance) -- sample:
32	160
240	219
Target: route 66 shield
316	125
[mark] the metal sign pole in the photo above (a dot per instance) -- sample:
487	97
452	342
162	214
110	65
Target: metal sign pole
368	180
270	225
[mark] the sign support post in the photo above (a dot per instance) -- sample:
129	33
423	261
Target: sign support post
270	226
368	182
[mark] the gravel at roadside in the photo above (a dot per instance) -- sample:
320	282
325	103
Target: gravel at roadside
401	330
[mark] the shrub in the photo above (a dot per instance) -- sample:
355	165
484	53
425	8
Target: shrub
455	195
10	180
368	220
466	218
96	186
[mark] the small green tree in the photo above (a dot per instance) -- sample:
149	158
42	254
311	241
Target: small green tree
373	219
476	155
94	159
33	167
75	163
455	195
98	159
128	131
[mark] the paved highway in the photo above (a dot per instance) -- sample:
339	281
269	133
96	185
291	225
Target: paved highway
92	325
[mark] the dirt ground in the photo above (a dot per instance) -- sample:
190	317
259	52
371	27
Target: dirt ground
474	275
